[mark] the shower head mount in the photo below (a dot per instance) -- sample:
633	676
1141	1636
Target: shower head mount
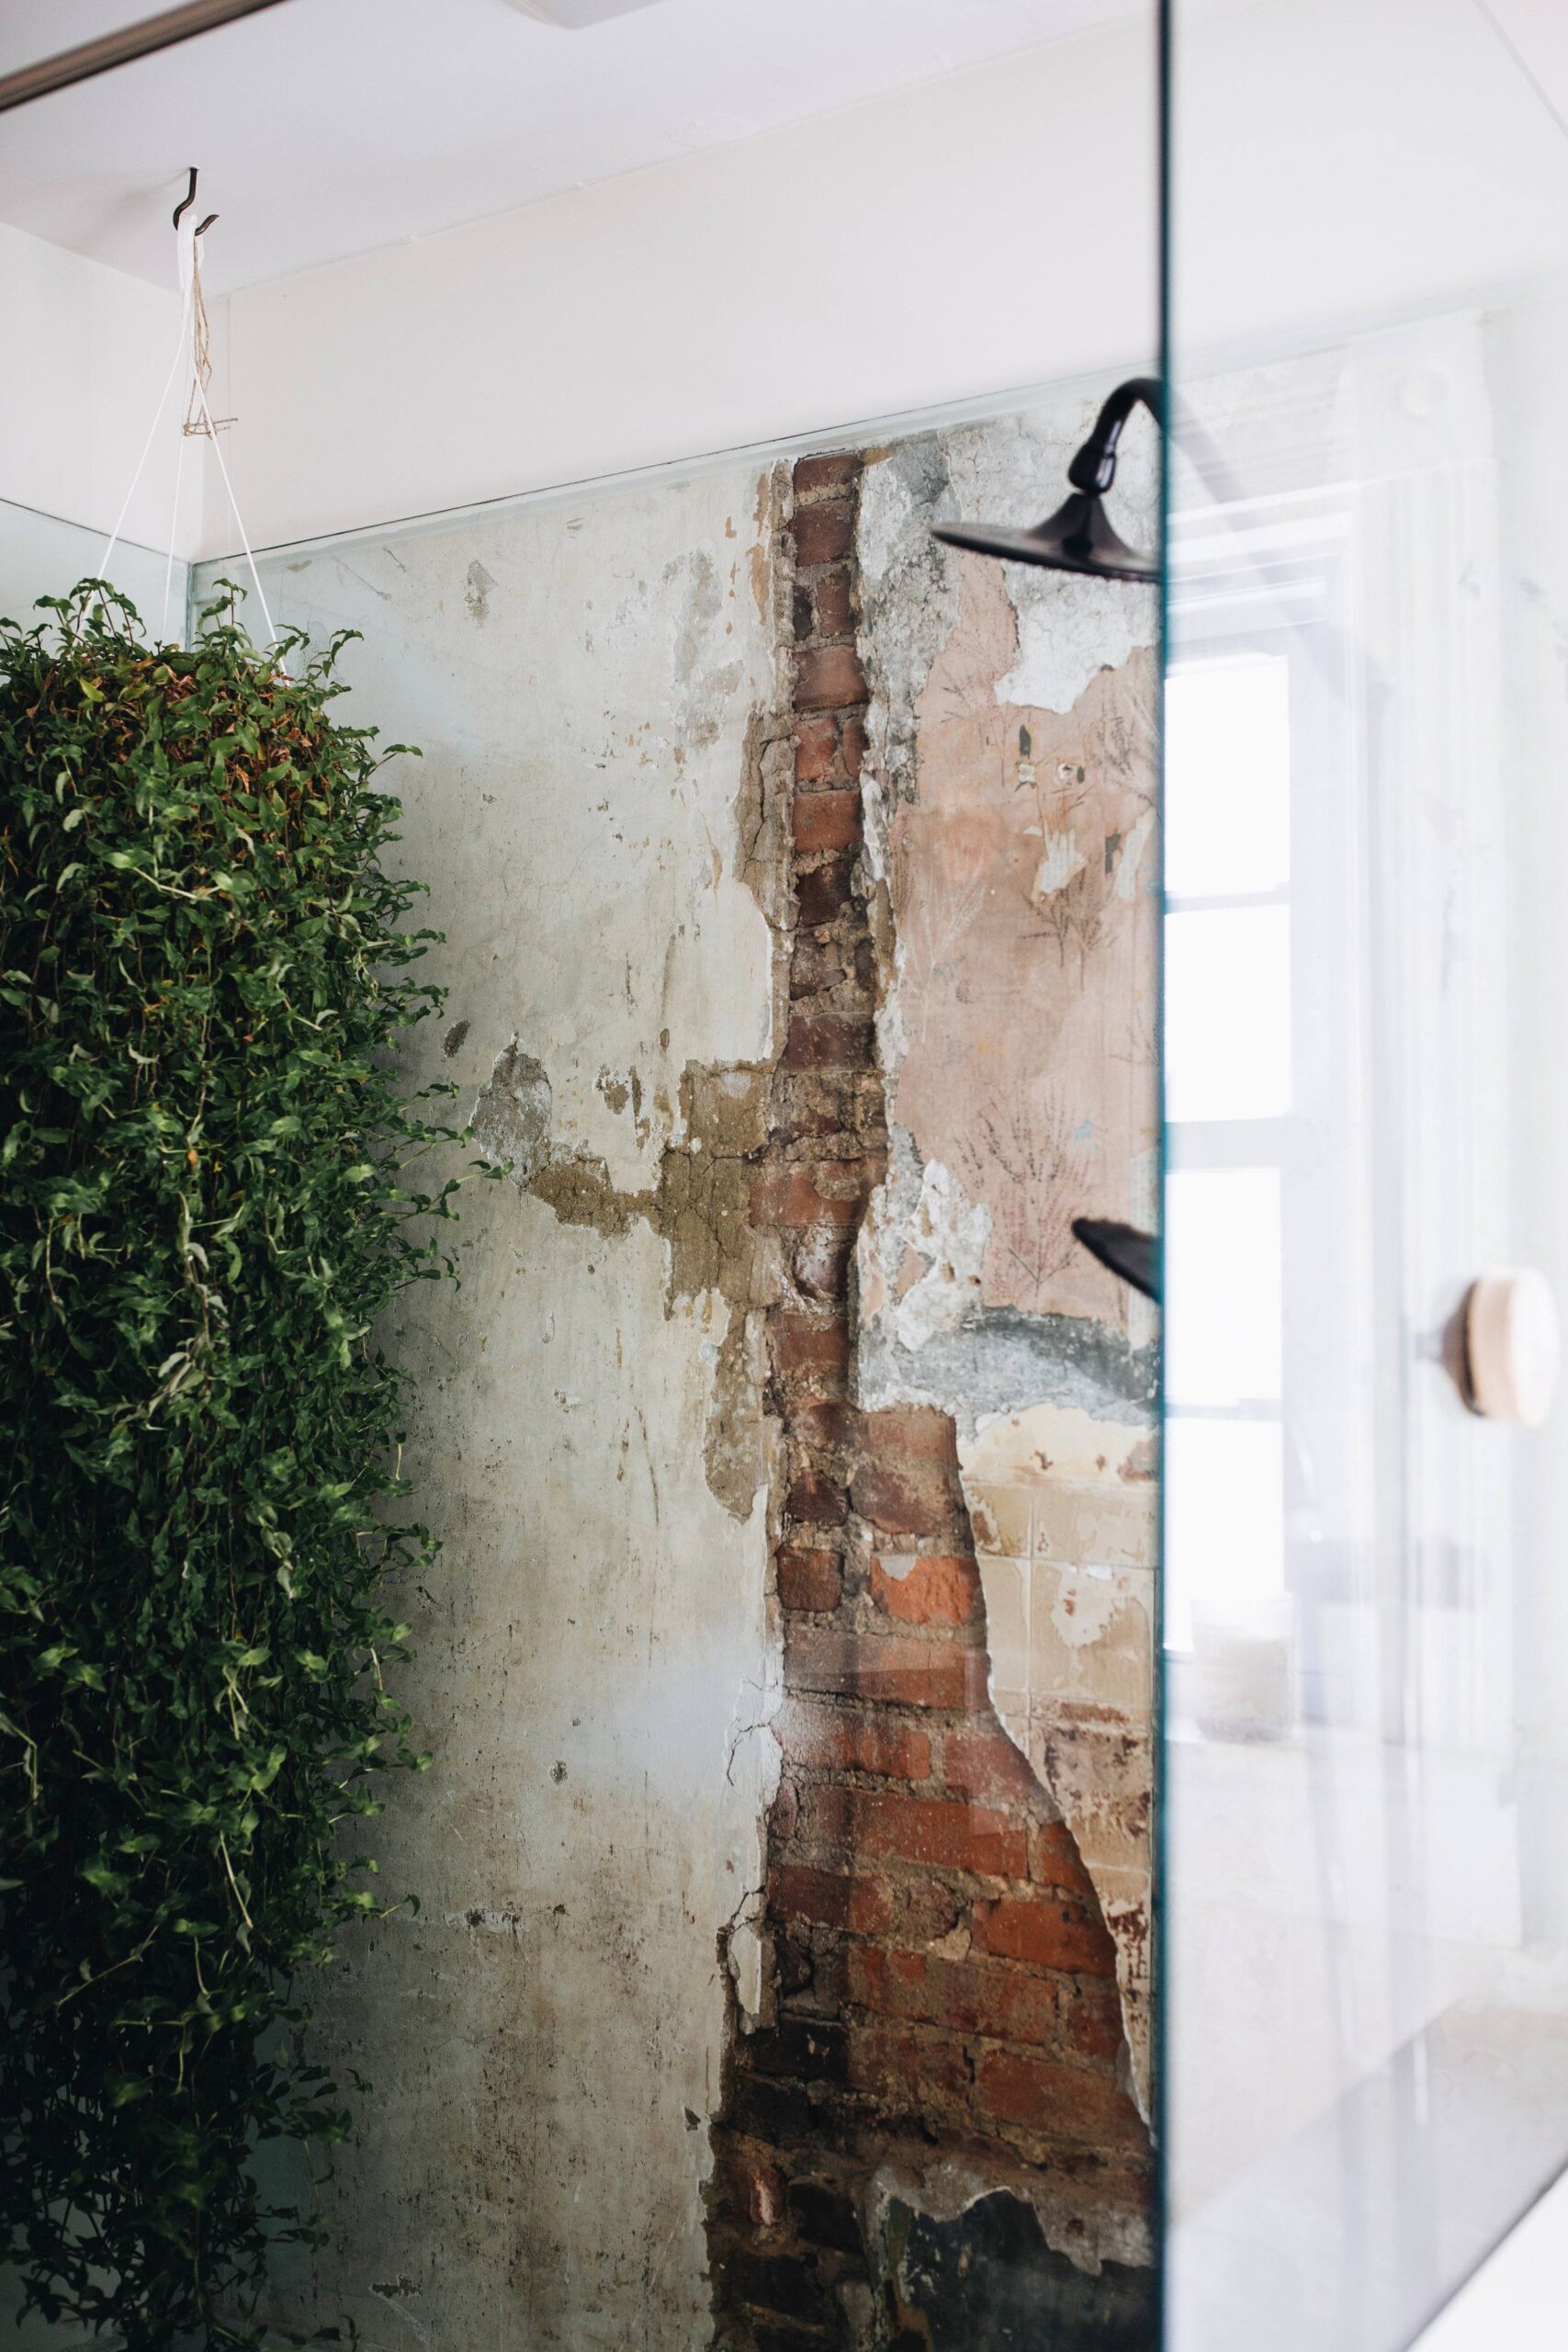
1079	537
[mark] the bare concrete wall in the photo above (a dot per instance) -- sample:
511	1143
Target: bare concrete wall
709	1508
592	688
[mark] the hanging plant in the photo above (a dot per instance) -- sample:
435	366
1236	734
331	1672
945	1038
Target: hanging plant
204	977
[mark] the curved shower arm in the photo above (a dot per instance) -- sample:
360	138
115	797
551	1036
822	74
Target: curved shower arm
1094	467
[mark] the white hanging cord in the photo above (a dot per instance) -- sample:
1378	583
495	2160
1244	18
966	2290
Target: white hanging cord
174	533
194	343
180	344
201	368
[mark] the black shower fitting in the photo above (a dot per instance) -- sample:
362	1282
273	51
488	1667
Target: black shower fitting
1079	537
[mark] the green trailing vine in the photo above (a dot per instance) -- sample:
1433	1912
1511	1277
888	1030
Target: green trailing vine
205	1203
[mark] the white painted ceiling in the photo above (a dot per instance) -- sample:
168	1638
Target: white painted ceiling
327	127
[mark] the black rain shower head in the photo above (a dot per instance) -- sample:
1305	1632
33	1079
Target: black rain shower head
1079	536
1131	1254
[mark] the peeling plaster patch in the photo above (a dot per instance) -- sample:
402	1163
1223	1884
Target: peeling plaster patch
1130	857
921	1253
950	1234
760	862
1000	1361
1068	628
988	2281
700	1209
476	594
908	589
510	1119
1062	862
942	2189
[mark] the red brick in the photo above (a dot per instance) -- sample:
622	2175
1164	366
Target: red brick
811	1107
825	2215
1055	1860
831	1899
907	2066
824	1823
916	1432
891	1668
822	892
828	677
828	1041
817	965
986	1764
852	747
940	1590
813	1582
937	1831
812	2048
803	1345
790	1196
1091	2018
827	821
815	750
778	2112
824	533
833	1739
826	1421
833	601
829	469
1048	1932
900	1503
925	1909
1002	2003
1059	2102
816	1499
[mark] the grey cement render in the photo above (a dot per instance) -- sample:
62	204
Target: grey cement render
593	691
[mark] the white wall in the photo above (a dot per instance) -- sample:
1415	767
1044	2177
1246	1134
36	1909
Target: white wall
948	241
82	354
992	228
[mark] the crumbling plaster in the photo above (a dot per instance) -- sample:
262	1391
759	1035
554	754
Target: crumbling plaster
1009	791
594	689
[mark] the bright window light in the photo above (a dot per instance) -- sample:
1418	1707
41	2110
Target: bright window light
1227	1013
1225	1521
1227	777
1223	1286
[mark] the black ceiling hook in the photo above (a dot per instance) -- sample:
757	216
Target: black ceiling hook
184	206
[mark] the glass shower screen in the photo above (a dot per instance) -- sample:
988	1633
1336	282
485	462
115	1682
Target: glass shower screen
1366	1099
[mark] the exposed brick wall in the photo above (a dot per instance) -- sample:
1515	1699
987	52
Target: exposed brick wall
942	1981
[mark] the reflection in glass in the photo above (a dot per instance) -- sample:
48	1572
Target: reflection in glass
1366	1889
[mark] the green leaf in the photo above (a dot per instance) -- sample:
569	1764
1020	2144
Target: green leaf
214	1189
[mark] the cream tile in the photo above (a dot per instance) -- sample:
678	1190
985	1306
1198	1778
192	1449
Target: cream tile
1004	1584
1000	1518
1091	1638
1118	1526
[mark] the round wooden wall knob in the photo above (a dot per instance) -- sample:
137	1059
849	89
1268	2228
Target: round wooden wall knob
1513	1351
